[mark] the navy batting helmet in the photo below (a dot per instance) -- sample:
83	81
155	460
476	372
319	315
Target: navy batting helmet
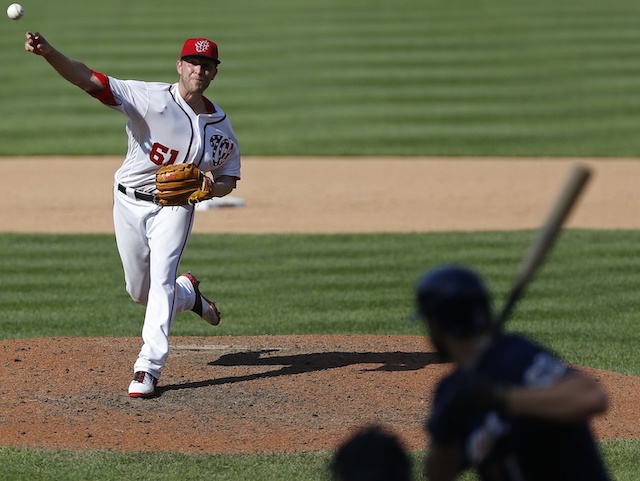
455	298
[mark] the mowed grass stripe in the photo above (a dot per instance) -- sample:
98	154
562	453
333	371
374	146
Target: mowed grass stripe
324	78
315	284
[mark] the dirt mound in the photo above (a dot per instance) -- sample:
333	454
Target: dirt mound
235	394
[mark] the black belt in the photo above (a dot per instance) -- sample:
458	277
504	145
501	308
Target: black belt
139	195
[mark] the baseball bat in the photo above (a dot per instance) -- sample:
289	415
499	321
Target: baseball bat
545	237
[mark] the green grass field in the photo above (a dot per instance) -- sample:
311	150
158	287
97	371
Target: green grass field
580	305
34	465
364	77
325	77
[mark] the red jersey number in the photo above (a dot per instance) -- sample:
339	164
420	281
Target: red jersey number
159	154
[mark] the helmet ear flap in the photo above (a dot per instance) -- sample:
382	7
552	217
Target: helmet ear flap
436	337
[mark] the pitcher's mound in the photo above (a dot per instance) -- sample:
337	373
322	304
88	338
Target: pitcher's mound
235	394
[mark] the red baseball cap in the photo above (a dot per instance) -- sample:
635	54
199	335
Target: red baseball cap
200	47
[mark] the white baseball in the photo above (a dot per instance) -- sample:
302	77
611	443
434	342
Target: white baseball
15	11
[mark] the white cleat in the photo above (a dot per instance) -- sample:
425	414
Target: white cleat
143	385
203	307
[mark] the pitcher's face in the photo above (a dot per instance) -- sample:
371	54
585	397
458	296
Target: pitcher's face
196	73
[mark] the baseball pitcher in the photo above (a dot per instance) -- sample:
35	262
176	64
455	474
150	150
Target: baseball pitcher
181	150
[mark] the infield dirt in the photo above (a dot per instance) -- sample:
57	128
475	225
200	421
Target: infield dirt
281	393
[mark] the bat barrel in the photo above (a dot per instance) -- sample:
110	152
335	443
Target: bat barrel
546	236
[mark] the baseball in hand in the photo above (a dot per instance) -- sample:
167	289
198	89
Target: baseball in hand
15	11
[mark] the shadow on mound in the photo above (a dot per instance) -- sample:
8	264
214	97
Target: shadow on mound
311	362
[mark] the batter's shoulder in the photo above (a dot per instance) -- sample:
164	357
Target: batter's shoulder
508	345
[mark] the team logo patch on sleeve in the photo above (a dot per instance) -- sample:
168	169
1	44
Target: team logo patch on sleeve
221	148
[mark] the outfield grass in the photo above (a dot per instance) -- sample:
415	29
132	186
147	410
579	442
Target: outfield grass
37	465
582	303
364	77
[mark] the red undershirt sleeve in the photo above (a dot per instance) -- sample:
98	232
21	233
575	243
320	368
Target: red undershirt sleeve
105	95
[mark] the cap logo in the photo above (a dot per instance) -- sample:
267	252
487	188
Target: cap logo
202	46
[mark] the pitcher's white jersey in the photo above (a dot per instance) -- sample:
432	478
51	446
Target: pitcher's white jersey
163	129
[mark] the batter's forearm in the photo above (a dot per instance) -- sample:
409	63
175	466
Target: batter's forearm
575	398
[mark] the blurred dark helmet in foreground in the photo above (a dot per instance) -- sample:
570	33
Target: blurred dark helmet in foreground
455	298
371	454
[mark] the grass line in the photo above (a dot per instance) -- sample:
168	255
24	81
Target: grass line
368	78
